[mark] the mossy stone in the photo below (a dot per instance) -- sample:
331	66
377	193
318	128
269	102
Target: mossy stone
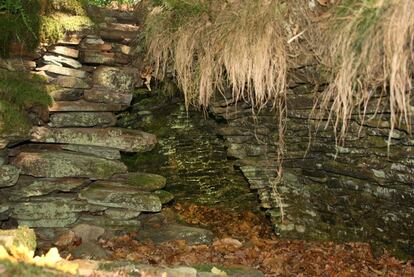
142	181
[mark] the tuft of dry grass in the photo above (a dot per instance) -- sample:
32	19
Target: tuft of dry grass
211	45
370	50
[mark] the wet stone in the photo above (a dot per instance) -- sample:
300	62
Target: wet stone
115	195
55	164
8	175
141	181
82	119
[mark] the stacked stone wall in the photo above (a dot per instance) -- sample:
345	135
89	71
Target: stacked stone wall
68	169
349	192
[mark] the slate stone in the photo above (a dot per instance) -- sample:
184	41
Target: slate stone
82	119
114	78
55	164
61	61
71	82
84	106
141	181
114	195
8	175
65	71
107	153
65	51
116	138
191	235
104	95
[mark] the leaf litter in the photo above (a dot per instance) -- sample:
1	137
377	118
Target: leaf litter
245	239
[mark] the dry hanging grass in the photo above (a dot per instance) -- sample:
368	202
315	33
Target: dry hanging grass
211	45
370	50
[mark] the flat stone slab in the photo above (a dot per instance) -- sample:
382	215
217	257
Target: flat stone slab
104	95
114	195
30	187
66	94
56	164
61	61
82	119
71	82
141	181
56	69
122	139
170	232
84	106
8	175
65	51
52	208
107	153
115	78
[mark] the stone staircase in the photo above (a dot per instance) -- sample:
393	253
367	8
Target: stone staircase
69	170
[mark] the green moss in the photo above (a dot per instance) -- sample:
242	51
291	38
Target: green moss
73	7
36	21
18	92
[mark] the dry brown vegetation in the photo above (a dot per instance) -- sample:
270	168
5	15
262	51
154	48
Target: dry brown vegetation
364	49
370	52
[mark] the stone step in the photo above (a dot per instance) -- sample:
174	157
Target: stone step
65	71
103	152
65	51
65	94
85	106
115	78
71	82
82	119
103	95
61	61
57	164
114	195
122	139
104	58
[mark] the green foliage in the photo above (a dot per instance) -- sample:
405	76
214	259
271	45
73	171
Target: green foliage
18	92
19	22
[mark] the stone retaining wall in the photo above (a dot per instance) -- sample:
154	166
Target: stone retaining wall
357	191
68	169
